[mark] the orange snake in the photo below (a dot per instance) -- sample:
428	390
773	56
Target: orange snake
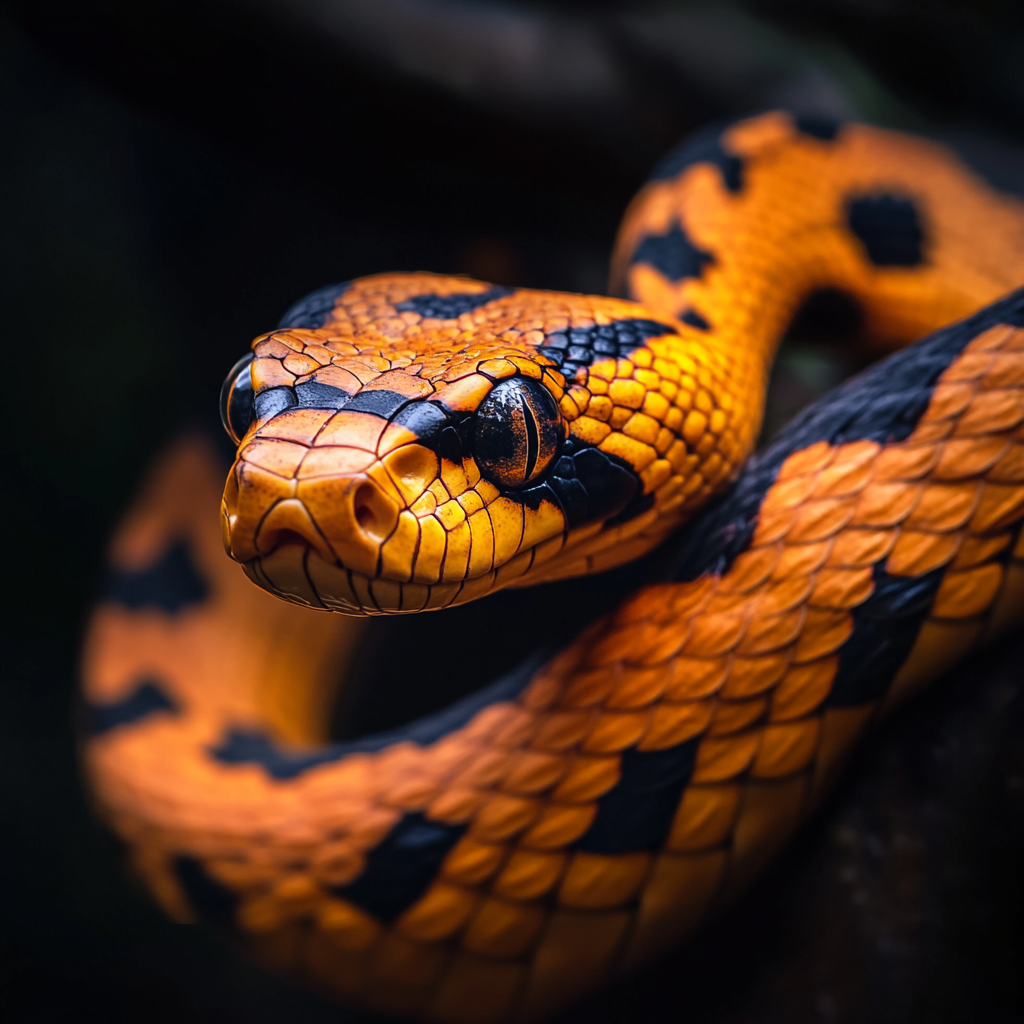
411	441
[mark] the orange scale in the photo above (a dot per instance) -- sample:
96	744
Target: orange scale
587	779
748	676
886	504
841	588
279	457
531	771
772	526
967	593
372	826
484	769
614	731
968	367
943	507
975	550
969	457
705	817
1010	468
732	716
991	340
558	825
455	804
772	633
722	758
504	930
637	687
471	862
950	399
808	461
503	816
690	598
750	569
440	912
528	875
590	687
824	631
786	748
906	461
916	552
820	518
593	881
991	411
560	730
998	508
1007	371
516	729
788	592
693	678
803	689
931	431
801	559
713	635
789	493
857	548
672	724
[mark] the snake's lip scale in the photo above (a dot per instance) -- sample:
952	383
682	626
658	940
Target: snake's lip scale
411	441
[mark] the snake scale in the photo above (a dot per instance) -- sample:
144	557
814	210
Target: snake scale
409	442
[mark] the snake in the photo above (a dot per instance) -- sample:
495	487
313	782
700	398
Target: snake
409	442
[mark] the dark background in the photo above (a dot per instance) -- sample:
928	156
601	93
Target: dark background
174	175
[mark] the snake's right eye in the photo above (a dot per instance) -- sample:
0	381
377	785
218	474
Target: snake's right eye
236	399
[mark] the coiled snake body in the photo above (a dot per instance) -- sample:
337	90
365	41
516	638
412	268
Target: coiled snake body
410	442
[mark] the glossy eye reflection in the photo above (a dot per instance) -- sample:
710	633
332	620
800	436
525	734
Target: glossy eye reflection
517	432
236	399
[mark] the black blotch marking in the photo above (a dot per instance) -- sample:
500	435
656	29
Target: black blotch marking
212	902
694	319
148	698
703	147
401	867
451	307
637	814
271	401
313	395
381	402
425	419
883	404
254	746
672	254
170	585
817	126
582	346
889	228
588	483
313	310
885	628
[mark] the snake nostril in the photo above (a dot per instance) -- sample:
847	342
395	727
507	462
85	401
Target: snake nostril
363	509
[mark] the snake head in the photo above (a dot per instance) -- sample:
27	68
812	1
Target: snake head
409	442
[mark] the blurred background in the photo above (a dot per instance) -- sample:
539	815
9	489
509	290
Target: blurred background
173	175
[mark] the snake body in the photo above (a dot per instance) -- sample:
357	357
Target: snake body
412	441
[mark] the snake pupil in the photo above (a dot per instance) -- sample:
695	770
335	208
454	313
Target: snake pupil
237	408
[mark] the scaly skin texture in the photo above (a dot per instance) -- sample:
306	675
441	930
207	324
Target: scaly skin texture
499	860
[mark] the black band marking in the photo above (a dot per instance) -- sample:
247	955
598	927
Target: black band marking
148	698
637	814
889	227
818	127
312	311
271	401
705	147
171	584
451	307
672	254
582	346
314	395
401	867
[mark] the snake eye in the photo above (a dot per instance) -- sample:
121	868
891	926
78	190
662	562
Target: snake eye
517	432
236	399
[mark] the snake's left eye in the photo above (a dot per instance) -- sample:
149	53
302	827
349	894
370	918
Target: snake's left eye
236	399
518	430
